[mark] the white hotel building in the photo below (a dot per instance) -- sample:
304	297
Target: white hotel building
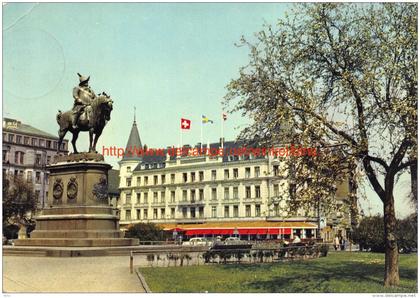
220	195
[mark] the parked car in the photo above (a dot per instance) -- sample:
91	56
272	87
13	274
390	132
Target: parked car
196	241
232	240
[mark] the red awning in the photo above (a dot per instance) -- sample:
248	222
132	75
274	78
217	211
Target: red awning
244	231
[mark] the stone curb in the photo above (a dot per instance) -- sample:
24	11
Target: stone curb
143	282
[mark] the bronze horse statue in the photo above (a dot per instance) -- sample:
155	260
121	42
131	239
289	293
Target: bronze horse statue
93	119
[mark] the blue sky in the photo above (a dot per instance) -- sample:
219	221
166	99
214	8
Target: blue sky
170	60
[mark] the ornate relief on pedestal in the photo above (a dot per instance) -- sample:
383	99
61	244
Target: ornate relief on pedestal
100	189
72	189
58	188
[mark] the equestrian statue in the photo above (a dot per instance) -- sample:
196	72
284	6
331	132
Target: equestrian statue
90	113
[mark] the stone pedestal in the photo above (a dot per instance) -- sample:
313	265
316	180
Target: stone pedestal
78	214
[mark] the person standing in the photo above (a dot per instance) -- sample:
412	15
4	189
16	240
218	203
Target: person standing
336	242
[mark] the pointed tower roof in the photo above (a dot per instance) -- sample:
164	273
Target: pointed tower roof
133	144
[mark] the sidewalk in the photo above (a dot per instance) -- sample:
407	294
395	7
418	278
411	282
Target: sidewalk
79	274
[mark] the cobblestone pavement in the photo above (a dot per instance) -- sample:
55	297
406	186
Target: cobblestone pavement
78	274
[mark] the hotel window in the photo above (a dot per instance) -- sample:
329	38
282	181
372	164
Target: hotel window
41	143
257	210
146	180
26	140
128	169
226	193
162	196
4	137
155	197
162	213
235	211
172	178
257	172
201	212
137	213
144	213
127	214
155	213
213	175
4	155
16	157
247	172
37	192
192	176
155	180
248	192
173	196
185	177
257	192
172	212
276	190
235	193
138	197
128	182
48	144
235	173
214	194
276	210
184	212
192	195
34	142
163	179
192	212
201	176
138	181
37	177
29	176
276	170
21	157
214	211
128	199
11	137
226	211
248	210
38	159
48	159
226	174
184	195
55	145
18	139
145	198
201	195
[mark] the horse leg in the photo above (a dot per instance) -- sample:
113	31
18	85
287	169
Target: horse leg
73	140
90	140
97	135
61	134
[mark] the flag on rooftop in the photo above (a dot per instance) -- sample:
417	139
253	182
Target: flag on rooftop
224	115
185	123
205	119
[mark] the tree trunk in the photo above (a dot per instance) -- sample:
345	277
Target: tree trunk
413	173
392	277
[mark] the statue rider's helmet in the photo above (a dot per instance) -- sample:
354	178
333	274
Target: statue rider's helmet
83	81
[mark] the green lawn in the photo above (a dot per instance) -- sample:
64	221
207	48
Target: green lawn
343	272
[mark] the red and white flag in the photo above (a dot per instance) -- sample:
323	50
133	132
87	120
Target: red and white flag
185	123
224	115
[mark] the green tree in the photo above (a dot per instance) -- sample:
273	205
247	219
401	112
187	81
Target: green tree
19	201
145	232
343	78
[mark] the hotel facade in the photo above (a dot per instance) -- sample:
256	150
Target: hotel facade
219	195
26	152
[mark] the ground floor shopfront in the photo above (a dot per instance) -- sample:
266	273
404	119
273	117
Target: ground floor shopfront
246	230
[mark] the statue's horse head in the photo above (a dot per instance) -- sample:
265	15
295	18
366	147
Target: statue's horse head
104	104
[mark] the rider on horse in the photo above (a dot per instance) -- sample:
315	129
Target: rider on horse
83	96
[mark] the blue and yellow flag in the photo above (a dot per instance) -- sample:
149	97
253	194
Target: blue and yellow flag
204	119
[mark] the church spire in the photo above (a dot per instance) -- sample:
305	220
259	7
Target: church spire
133	143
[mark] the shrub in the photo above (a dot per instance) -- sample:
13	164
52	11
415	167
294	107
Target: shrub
145	232
324	250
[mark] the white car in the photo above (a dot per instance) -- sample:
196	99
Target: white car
197	241
232	240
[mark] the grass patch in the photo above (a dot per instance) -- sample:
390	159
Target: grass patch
340	272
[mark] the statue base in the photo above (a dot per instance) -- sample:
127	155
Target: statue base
78	214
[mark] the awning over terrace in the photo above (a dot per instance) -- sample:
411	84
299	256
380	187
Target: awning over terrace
242	228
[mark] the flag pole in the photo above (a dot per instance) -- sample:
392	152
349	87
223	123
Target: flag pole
222	127
201	134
